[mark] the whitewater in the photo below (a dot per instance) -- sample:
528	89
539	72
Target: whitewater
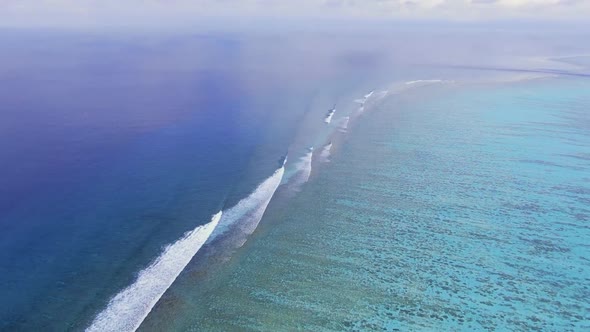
326	152
423	81
246	214
304	166
128	309
344	124
329	116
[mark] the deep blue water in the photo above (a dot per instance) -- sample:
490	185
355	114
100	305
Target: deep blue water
84	205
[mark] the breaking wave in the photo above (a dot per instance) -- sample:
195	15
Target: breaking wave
423	82
305	165
303	172
329	116
326	152
246	214
127	310
344	124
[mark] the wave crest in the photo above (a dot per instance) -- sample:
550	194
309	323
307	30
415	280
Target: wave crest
127	310
246	214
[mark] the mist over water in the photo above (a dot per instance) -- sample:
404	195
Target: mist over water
116	146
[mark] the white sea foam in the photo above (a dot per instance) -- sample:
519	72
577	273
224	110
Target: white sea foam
373	96
381	94
302	172
423	82
328	118
326	152
361	110
127	310
246	214
344	123
304	166
366	97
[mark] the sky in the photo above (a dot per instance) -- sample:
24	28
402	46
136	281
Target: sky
129	12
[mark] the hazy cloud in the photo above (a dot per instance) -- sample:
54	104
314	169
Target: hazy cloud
483	1
105	12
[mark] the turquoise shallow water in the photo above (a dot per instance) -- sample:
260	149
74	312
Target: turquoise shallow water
444	208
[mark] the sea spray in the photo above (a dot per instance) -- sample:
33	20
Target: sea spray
305	165
127	310
303	171
344	124
248	211
329	115
423	82
366	97
326	152
369	100
381	94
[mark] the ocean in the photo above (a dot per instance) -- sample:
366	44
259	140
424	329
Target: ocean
205	182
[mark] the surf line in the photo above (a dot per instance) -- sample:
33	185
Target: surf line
127	310
303	170
247	213
330	114
326	151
